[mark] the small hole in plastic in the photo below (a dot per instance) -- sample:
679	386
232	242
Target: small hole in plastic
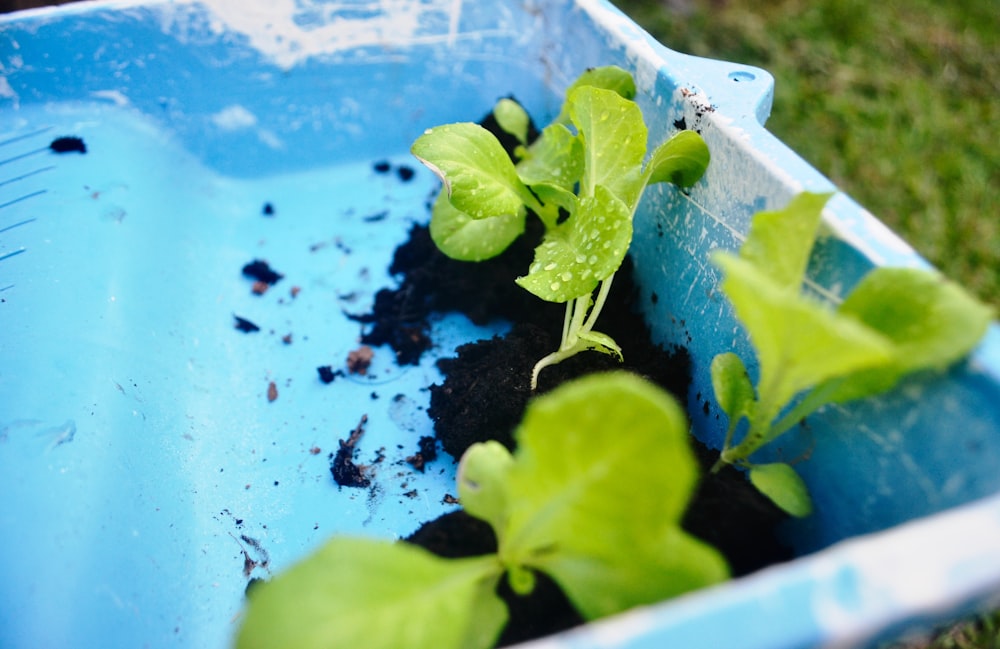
741	76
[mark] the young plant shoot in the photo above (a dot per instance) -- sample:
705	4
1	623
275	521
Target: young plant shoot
896	321
583	177
593	497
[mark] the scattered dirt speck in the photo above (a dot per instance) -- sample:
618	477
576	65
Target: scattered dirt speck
244	325
261	271
261	559
327	374
346	473
360	359
405	173
427	453
68	144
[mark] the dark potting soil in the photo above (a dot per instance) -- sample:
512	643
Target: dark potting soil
486	389
431	282
544	612
487	385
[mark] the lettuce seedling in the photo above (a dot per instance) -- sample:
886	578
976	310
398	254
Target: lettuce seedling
896	321
583	177
593	497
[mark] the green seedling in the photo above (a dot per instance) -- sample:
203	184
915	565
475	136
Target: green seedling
593	497
583	177
895	322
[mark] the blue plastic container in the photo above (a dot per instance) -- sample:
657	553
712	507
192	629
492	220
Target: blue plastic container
147	467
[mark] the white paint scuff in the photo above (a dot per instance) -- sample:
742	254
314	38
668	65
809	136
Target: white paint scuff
6	92
234	118
291	31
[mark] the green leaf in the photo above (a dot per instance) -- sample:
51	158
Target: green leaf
482	475
783	486
614	141
463	238
602	582
587	248
779	243
555	158
554	197
609	77
799	342
521	579
601	342
512	118
477	174
379	595
731	383
930	321
681	160
601	478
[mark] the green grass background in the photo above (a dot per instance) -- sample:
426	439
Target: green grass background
895	101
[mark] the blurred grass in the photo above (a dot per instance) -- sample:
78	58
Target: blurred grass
979	633
898	102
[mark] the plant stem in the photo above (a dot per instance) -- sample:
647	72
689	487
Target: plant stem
554	358
725	445
753	441
567	319
571	336
576	320
813	401
602	296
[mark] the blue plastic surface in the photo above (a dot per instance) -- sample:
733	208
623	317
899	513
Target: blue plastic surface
138	445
